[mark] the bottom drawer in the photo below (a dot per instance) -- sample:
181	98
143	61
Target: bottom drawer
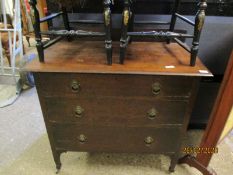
117	139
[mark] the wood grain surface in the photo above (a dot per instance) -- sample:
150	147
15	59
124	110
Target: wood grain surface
116	111
151	58
117	139
99	85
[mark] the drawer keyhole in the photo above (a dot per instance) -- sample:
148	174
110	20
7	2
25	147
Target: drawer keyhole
156	88
75	86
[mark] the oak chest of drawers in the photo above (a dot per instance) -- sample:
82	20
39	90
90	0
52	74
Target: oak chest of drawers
140	107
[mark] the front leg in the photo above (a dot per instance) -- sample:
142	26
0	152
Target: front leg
108	28
174	161
57	159
124	29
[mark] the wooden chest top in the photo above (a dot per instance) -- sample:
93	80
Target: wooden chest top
147	58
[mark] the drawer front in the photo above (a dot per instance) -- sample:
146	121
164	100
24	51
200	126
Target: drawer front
91	85
116	111
117	139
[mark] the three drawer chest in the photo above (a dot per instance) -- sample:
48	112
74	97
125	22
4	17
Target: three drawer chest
142	106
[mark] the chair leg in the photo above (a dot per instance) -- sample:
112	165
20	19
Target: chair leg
66	21
40	50
173	18
124	29
36	25
132	17
199	22
108	28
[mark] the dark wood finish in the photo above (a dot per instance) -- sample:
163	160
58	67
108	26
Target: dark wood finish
142	58
108	28
126	86
117	139
139	107
35	16
122	111
126	18
199	23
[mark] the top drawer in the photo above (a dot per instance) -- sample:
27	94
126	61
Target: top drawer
91	85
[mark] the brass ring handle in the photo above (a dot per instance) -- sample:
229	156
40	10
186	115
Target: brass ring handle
78	111
149	140
156	88
75	86
82	138
152	113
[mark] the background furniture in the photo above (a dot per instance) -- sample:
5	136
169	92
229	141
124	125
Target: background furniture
215	7
143	106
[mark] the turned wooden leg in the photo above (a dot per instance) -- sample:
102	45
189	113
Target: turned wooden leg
108	28
36	25
131	22
194	51
40	50
124	29
199	22
108	47
174	161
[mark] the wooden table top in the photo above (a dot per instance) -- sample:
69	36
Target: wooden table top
152	58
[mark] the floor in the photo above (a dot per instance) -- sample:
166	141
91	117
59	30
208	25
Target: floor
25	150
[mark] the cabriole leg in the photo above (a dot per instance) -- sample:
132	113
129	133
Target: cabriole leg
108	28
199	22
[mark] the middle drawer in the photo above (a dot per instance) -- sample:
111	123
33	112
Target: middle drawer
116	111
